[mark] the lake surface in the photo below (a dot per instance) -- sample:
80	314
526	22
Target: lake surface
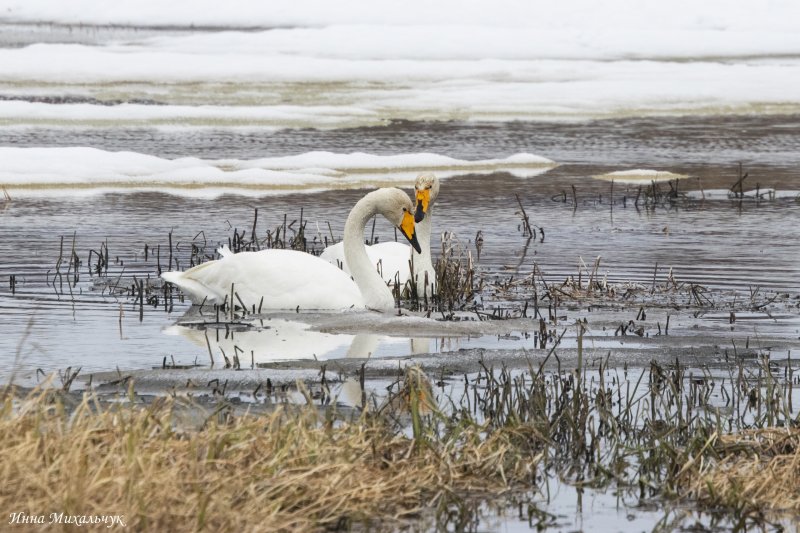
721	244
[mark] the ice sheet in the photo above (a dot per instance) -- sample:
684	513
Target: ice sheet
581	14
29	171
312	63
640	175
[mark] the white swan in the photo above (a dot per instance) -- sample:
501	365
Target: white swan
391	258
288	279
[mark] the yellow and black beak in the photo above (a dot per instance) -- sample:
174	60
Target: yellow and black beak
408	230
423	199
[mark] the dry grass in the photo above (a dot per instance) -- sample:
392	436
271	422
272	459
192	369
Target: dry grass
173	466
754	470
294	469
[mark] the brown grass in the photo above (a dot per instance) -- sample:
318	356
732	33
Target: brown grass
294	469
755	470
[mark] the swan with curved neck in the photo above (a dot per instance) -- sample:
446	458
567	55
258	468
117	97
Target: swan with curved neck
289	279
392	258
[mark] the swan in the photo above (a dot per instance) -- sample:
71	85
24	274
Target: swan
391	258
289	279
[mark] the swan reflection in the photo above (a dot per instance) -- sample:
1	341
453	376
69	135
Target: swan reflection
279	339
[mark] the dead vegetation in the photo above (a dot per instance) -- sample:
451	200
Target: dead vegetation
456	279
294	469
756	471
753	474
726	439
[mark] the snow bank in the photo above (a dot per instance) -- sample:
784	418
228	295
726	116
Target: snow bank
315	63
27	171
582	14
640	176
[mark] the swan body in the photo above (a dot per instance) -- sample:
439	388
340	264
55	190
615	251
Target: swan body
288	279
285	279
391	259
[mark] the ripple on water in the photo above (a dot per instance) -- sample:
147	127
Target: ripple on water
736	249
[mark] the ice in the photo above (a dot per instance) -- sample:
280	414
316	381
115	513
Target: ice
321	64
577	14
640	176
32	171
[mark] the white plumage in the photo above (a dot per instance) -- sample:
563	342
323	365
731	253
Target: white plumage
391	259
287	279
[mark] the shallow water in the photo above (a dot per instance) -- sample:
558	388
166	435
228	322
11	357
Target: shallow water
734	250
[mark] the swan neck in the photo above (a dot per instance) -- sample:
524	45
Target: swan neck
373	289
424	235
423	263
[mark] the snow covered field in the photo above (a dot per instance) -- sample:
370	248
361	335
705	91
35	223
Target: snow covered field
329	64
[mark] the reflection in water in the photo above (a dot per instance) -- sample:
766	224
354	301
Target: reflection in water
363	345
282	340
350	393
89	326
398	398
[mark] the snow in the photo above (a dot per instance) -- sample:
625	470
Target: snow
686	14
640	176
315	63
34	171
322	64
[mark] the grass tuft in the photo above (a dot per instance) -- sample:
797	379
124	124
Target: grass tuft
754	470
293	469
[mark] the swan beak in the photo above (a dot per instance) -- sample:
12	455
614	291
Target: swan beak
408	230
423	200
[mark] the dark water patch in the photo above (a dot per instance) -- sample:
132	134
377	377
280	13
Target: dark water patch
16	34
75	99
675	143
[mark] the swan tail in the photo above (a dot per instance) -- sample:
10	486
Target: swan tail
198	293
173	277
224	251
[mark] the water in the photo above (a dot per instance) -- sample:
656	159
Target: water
718	245
700	145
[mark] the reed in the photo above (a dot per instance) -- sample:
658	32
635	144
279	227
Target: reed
179	465
294	469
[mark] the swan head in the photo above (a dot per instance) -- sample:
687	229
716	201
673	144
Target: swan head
426	189
397	208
